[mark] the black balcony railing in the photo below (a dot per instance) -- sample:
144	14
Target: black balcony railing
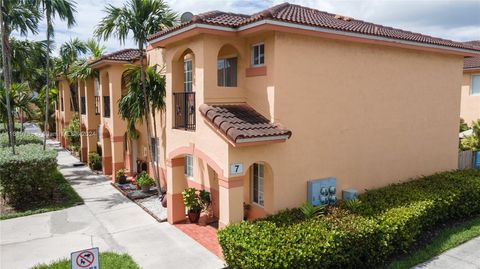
83	105
97	105
184	113
106	106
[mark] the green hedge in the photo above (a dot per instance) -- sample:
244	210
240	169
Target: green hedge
357	235
27	176
20	139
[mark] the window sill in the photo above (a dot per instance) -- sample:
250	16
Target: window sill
258	205
184	129
256	71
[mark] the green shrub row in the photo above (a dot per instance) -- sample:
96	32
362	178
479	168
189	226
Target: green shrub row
27	176
20	139
363	234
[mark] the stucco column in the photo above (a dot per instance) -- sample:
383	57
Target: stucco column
231	200
176	183
117	154
106	154
64	137
57	125
91	136
83	146
92	120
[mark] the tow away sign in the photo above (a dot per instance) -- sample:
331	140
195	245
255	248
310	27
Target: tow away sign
85	259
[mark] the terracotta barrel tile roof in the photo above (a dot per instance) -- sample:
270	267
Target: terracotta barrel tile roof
472	62
241	123
125	55
312	17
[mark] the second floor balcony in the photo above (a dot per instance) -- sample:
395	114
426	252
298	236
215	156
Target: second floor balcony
184	114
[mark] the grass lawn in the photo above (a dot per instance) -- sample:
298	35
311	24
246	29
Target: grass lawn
445	240
64	197
108	260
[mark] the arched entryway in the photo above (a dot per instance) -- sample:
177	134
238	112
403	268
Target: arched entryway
202	171
258	195
192	170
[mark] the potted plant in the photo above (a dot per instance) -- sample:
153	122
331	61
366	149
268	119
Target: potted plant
145	181
195	201
121	177
205	201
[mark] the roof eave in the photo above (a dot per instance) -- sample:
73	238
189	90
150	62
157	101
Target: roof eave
242	142
471	69
161	40
102	63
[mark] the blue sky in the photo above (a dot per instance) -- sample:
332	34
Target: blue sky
451	19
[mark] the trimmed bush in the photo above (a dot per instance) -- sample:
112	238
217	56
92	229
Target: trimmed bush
72	133
20	139
94	161
27	176
364	234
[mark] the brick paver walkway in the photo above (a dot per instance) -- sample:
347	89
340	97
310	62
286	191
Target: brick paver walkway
205	235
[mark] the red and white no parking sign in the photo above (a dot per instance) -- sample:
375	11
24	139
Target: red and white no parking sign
85	259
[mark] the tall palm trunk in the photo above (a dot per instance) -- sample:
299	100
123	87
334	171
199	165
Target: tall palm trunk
155	135
46	126
7	72
22	119
146	104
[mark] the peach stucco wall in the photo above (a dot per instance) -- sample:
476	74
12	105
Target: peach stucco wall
369	115
470	108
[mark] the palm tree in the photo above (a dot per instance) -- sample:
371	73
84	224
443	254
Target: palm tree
21	99
131	106
28	62
80	69
22	17
139	18
96	50
69	54
64	9
40	103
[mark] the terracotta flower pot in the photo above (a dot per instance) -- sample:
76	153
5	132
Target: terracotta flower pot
122	180
145	188
193	216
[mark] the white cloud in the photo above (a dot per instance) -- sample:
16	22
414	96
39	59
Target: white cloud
450	19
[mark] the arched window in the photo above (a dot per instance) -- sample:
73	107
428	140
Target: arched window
187	74
227	67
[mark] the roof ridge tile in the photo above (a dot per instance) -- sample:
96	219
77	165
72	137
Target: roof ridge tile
297	14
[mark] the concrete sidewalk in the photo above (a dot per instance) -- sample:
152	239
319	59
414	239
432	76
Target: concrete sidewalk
107	220
465	256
